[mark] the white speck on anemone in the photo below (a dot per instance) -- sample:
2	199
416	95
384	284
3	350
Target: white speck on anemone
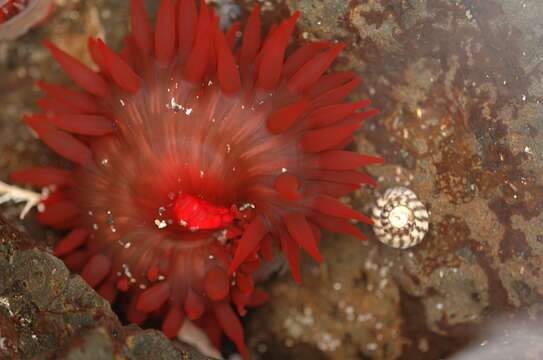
400	218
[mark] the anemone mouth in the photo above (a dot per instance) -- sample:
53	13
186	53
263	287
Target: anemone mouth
176	216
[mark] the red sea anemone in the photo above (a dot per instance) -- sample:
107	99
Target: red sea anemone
193	156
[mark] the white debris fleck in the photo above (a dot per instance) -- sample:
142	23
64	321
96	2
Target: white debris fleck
161	224
4	302
328	343
227	10
193	335
20	195
174	106
364	317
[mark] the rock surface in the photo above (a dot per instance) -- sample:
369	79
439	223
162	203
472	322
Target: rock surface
459	85
46	313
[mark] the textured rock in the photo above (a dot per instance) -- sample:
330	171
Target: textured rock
459	87
46	313
348	307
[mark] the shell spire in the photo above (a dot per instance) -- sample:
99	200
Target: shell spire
400	219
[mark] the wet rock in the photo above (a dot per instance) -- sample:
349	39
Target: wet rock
151	344
96	344
348	308
459	87
47	313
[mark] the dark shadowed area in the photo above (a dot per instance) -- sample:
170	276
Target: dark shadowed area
459	85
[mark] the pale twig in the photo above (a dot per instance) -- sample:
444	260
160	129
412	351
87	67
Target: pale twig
19	195
194	336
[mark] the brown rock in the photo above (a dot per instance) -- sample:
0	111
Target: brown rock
46	313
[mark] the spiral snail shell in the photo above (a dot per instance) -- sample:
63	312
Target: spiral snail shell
400	218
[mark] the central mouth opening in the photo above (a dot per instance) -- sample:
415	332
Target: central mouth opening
196	214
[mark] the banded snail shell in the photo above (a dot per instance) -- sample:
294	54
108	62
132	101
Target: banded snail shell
400	218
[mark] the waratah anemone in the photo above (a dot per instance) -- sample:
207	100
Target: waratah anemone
194	154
